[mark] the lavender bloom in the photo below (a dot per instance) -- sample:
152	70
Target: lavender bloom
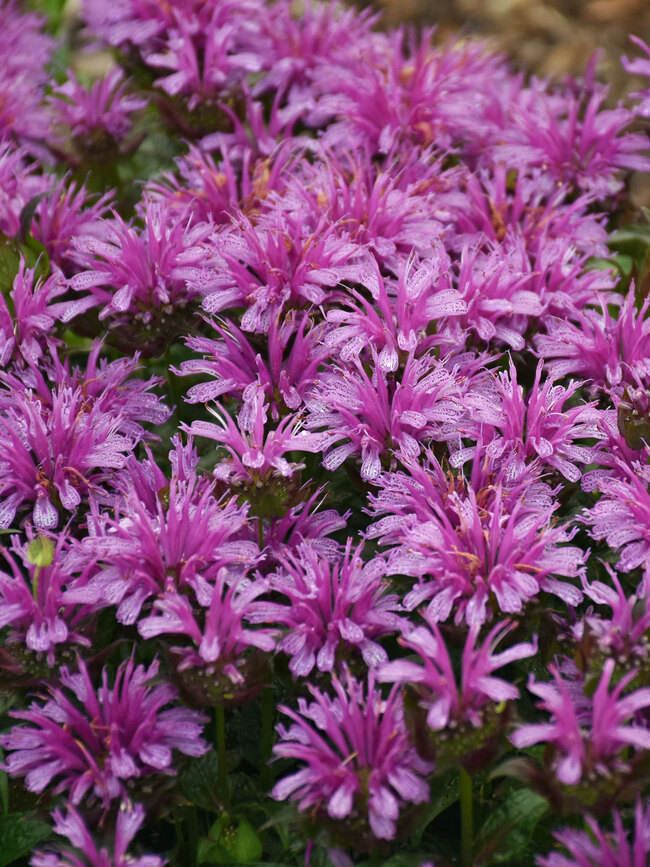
256	454
70	824
335	609
474	551
33	605
600	848
96	744
98	118
222	647
380	414
588	734
186	536
357	760
294	356
142	277
451	705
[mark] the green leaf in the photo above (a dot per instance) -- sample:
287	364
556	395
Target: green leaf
507	831
19	833
199	782
446	791
230	842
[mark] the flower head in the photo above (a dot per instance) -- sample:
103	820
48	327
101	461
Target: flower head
357	760
96	743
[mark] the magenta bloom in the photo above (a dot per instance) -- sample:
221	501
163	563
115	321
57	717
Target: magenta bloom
336	609
71	825
98	118
357	761
33	604
601	848
214	627
448	703
588	734
473	548
94	743
640	66
622	517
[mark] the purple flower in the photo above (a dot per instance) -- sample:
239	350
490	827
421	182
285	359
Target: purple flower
256	454
590	736
599	848
450	704
142	277
382	416
336	608
597	346
222	647
474	551
99	117
294	355
622	517
640	66
186	536
357	761
96	744
33	603
71	825
275	264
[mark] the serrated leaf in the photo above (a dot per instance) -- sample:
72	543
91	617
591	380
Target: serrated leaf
199	782
19	833
506	832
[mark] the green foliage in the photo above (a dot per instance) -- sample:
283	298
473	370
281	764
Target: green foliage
19	833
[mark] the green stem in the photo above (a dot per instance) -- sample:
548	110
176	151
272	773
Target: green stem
266	745
466	818
222	772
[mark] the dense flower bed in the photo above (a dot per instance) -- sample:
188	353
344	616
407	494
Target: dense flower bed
324	484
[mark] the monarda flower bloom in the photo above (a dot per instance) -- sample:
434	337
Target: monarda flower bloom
294	354
98	118
640	66
461	716
535	431
384	416
70	824
186	536
43	626
591	736
598	847
53	457
221	658
475	552
622	518
141	277
358	767
597	346
336	609
256	454
101	744
272	266
29	314
575	141
405	316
